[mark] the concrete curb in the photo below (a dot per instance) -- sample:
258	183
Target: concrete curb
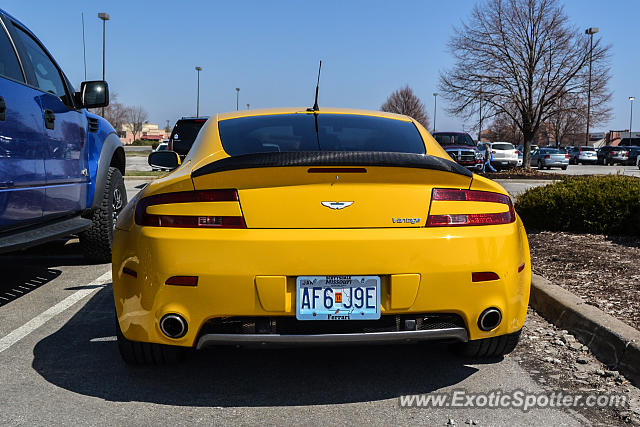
140	177
613	342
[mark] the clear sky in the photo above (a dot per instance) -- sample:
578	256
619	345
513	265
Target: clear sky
270	50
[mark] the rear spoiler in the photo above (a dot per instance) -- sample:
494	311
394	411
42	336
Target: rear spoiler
331	158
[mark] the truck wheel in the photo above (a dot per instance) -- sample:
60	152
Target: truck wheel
96	241
145	353
488	347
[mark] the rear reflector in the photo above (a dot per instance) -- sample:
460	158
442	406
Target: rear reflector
521	267
484	276
459	220
182	281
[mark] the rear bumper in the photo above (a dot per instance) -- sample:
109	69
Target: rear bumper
455	334
555	164
252	272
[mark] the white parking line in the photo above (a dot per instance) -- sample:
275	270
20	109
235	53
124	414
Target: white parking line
33	324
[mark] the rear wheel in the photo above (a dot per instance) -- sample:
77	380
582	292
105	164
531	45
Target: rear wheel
144	353
97	240
564	168
488	347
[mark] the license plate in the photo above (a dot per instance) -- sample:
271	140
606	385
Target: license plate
338	297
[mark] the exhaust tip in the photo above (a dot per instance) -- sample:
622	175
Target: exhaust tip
489	319
173	326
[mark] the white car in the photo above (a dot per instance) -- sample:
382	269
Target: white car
505	155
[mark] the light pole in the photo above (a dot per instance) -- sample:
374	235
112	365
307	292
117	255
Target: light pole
631	99
590	31
435	106
248	106
237	98
104	17
198	69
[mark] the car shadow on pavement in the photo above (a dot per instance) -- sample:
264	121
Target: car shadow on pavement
24	271
82	357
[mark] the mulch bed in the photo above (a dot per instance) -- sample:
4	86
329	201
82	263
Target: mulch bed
602	270
522	173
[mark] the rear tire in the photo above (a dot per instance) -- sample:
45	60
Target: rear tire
564	168
144	353
96	241
488	347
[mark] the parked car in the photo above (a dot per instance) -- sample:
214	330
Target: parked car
505	155
163	146
519	164
61	169
461	148
549	158
633	155
534	147
184	134
232	249
583	155
610	155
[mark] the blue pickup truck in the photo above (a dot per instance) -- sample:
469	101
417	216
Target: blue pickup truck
61	167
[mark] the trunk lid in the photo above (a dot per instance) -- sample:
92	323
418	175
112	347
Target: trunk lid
347	195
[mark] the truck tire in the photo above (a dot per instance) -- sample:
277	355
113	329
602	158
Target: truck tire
145	353
488	347
97	240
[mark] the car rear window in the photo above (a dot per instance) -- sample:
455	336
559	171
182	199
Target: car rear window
318	132
550	151
587	149
502	146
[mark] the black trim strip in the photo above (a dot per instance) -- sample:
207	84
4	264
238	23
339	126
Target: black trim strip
331	158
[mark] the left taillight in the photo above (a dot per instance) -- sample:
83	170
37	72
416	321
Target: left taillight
470	219
143	218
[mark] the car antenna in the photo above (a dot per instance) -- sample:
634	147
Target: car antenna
315	104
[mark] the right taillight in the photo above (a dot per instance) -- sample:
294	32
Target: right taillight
470	219
144	218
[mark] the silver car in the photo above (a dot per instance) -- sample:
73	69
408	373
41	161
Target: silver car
583	155
550	158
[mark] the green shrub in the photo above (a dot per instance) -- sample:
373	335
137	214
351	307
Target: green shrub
595	204
141	142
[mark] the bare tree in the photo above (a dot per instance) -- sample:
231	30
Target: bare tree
136	117
520	56
404	101
115	113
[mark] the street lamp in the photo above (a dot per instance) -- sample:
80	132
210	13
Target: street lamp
631	99
198	69
104	17
248	106
435	105
237	98
590	31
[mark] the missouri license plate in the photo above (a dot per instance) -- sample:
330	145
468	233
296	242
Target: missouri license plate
338	297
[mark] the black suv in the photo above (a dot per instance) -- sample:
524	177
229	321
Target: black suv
184	134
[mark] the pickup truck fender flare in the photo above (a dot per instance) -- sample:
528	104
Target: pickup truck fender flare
111	154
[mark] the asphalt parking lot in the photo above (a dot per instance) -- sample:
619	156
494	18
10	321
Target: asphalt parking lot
61	365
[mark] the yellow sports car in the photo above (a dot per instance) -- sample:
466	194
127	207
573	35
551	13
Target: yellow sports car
296	226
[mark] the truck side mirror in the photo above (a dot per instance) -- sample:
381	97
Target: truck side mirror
164	160
94	94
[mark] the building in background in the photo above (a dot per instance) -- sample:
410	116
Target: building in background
150	132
